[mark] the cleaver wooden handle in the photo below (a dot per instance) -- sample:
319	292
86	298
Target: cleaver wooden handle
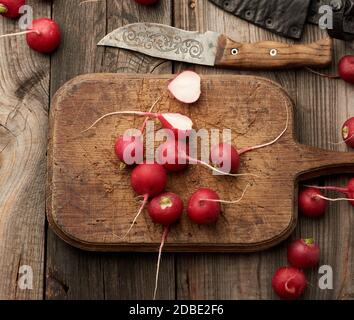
273	55
314	162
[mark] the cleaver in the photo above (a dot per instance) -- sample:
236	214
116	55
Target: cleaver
215	49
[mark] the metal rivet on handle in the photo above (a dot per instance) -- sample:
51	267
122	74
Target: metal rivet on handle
273	52
234	51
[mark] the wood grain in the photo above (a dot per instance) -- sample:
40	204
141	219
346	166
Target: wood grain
226	276
71	273
91	203
273	55
24	87
320	104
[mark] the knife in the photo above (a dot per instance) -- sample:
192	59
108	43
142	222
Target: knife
215	49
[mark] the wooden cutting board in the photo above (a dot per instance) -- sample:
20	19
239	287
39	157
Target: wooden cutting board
90	203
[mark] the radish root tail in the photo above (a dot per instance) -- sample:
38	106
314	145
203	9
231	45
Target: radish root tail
150	111
344	141
138	113
136	217
230	202
329	188
334	200
247	149
163	240
219	171
88	1
329	76
18	33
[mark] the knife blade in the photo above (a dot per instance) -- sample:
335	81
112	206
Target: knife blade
215	49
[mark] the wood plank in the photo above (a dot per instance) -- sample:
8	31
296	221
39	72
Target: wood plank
24	87
90	202
321	104
71	273
223	276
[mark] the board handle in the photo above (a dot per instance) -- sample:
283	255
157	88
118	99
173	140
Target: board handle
273	55
314	162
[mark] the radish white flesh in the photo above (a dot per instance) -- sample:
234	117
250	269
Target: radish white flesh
178	121
186	87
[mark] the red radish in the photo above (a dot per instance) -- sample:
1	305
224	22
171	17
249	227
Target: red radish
179	124
147	180
165	209
11	8
348	132
311	203
204	206
201	211
346	68
173	155
46	36
227	158
147	2
289	283
347	191
130	149
186	87
350	191
303	254
43	36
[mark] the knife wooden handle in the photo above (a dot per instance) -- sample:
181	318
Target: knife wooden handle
273	55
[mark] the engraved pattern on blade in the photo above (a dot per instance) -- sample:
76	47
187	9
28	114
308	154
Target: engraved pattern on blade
165	42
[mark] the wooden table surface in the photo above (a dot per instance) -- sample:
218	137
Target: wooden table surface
27	82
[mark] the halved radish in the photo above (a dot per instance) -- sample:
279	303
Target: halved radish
180	124
186	87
